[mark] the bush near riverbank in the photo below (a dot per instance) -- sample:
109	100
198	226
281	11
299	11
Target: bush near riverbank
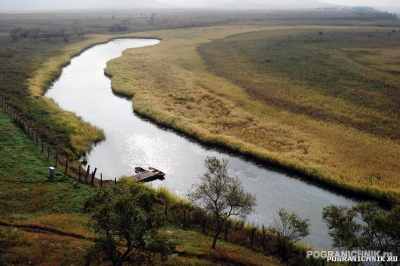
352	146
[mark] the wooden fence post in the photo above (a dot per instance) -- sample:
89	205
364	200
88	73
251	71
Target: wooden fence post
252	236
93	175
66	166
184	218
226	231
48	153
87	173
101	180
115	180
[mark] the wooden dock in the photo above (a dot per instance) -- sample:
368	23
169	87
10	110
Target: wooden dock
143	175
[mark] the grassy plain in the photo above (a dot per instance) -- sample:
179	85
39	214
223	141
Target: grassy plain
28	198
279	111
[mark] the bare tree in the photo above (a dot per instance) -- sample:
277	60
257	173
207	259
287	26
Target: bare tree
151	19
221	195
288	229
81	33
14	34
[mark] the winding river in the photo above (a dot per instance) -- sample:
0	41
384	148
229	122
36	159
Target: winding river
131	141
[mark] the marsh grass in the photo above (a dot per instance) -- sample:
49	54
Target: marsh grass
347	145
308	74
27	73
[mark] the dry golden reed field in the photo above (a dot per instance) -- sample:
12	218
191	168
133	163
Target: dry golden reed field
171	85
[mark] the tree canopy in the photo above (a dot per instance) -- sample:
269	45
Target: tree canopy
221	195
127	223
365	226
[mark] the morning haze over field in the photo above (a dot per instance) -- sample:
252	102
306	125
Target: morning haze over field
169	4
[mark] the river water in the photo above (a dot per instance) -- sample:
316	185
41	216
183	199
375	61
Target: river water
131	141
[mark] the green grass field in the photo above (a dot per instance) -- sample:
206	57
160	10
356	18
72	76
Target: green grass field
28	198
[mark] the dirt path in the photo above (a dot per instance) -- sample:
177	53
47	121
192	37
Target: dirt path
43	230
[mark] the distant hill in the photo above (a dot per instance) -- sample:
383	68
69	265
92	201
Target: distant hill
267	4
240	4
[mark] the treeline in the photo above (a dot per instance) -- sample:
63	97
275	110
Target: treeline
117	28
38	33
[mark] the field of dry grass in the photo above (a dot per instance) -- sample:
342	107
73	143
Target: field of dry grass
171	84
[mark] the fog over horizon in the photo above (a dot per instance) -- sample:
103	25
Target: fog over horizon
26	5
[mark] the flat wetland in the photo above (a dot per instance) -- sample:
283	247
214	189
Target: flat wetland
292	96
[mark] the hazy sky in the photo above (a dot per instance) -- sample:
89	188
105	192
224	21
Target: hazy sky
296	2
76	4
365	2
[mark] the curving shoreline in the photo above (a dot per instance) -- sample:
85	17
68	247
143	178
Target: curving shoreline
132	142
157	110
385	197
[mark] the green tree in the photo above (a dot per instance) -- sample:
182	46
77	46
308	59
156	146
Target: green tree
364	227
288	229
221	195
127	223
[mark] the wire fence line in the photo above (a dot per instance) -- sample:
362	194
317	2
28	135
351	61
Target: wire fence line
54	154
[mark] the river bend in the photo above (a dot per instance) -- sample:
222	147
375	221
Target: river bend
130	141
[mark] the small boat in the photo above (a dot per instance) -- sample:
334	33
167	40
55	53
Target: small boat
143	175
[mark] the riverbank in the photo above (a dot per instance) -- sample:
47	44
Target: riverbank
42	221
171	85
